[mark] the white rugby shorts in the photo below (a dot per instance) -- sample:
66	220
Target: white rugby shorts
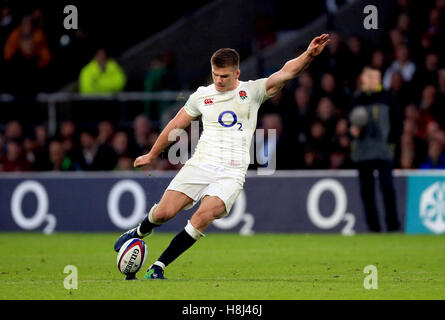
197	182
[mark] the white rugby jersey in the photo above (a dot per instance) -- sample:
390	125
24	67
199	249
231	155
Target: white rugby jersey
229	120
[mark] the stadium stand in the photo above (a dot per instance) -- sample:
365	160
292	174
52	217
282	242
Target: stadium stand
312	111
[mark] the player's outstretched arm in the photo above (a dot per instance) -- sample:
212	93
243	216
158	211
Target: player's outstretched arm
294	67
181	121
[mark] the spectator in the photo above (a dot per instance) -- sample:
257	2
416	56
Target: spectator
341	140
428	98
282	149
15	159
440	137
303	113
26	52
306	81
436	156
327	113
440	4
329	88
68	130
36	41
411	148
124	163
13	131
2	145
441	82
432	131
312	159
434	26
404	6
162	75
396	39
402	64
33	154
407	160
404	26
92	156
339	160
317	146
142	129
400	90
58	160
6	27
120	144
41	134
335	59
105	132
357	57
427	74
68	137
438	109
283	104
276	103
426	46
101	75
429	110
378	60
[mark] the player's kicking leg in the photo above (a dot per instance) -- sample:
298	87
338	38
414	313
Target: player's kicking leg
171	203
211	208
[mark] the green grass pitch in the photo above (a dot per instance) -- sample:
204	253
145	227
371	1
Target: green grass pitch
228	267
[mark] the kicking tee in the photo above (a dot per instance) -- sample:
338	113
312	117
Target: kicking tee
229	122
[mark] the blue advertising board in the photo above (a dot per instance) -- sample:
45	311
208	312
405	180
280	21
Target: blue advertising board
288	201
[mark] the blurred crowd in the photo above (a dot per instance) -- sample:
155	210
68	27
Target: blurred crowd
75	149
310	115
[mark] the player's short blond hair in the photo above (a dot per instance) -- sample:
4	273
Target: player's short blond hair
225	57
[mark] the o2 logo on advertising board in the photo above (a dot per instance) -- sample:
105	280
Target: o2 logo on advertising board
113	200
238	215
40	216
338	215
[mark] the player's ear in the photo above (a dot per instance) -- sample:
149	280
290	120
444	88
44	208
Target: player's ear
238	72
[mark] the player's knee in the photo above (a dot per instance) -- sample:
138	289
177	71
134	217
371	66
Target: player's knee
201	219
163	214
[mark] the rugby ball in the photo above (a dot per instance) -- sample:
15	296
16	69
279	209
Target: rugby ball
131	256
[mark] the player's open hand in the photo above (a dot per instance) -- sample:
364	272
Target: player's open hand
317	45
143	160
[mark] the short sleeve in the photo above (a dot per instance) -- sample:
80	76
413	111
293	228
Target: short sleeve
259	89
191	106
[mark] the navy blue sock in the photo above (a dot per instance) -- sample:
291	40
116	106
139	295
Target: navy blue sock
180	243
146	226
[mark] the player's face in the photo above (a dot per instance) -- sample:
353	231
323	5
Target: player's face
226	78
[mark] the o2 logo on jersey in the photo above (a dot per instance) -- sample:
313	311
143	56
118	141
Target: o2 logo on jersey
229	125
